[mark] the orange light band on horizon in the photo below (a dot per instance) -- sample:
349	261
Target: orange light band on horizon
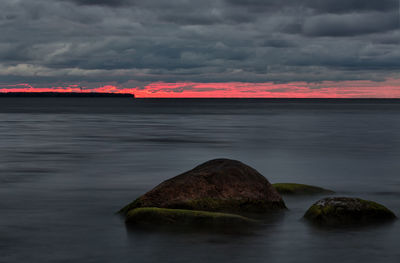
328	89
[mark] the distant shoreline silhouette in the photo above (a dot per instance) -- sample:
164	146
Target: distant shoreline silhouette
66	94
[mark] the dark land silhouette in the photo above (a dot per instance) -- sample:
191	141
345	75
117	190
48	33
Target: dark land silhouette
66	94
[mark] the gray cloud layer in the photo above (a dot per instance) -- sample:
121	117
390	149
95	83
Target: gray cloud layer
211	40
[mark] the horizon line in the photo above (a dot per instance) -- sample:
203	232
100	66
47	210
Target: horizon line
88	93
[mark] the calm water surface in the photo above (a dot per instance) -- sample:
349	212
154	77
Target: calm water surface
66	165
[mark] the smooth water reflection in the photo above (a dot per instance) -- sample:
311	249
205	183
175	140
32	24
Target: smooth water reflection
64	174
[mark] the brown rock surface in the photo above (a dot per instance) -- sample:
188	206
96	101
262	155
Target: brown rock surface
218	185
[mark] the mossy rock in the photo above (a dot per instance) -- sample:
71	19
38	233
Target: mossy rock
244	206
161	217
344	211
300	189
219	185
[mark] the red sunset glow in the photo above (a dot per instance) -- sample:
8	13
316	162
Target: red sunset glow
328	89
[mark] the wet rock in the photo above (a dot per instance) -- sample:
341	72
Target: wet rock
300	189
342	211
220	185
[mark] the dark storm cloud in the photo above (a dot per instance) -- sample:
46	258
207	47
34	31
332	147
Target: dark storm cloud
346	6
278	43
209	40
350	24
263	5
190	19
319	6
112	3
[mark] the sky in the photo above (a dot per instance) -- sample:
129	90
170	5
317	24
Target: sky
207	48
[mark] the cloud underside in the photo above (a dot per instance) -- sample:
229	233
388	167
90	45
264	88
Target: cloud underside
253	41
326	89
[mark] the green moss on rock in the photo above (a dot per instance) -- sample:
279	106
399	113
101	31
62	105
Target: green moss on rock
180	217
341	211
299	189
135	204
217	205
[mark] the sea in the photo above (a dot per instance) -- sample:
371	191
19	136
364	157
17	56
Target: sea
67	165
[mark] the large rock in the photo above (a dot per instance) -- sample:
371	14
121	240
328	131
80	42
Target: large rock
221	185
342	211
300	189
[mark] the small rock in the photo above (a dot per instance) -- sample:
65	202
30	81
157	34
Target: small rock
300	189
342	211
